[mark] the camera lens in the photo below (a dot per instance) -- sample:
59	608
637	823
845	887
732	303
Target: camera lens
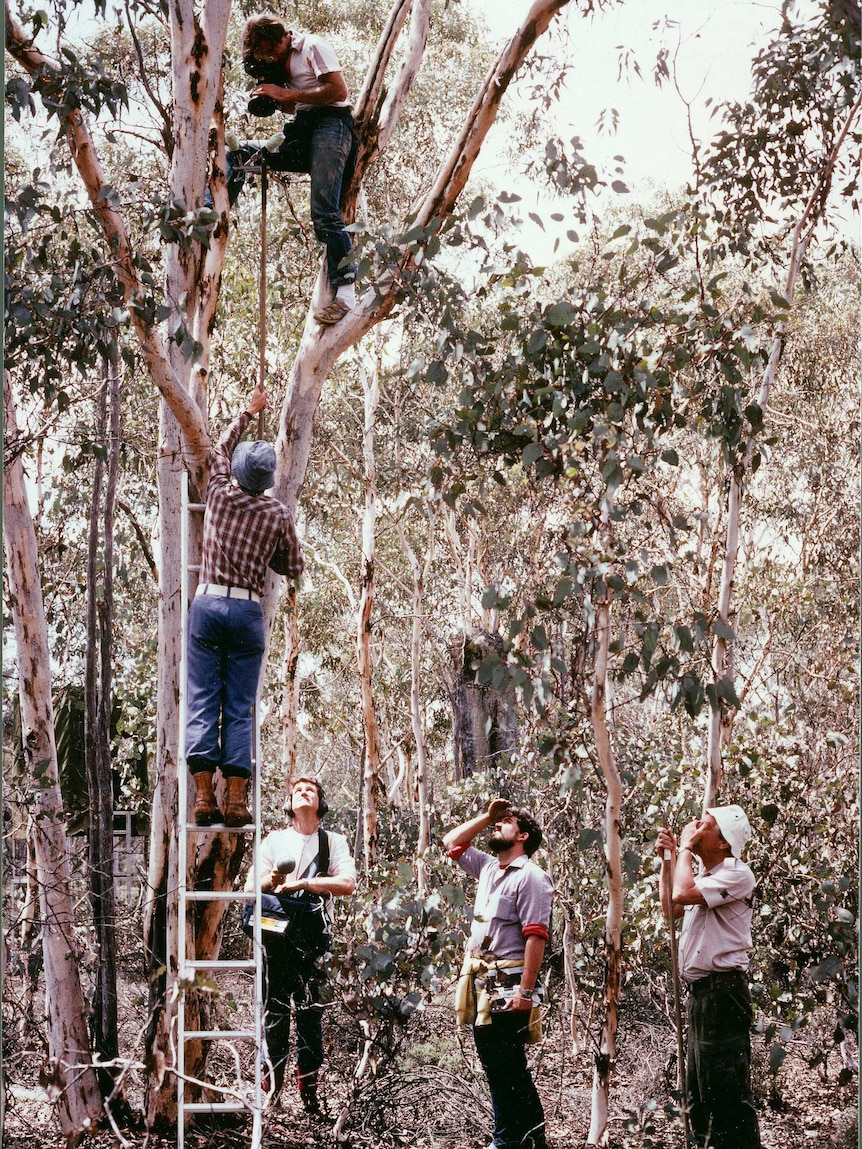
262	106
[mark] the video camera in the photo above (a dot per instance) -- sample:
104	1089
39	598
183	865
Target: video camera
263	73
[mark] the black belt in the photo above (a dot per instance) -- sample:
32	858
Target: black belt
322	112
719	977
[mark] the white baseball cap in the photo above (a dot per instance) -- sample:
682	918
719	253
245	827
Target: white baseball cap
734	826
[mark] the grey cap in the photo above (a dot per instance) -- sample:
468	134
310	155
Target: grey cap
253	466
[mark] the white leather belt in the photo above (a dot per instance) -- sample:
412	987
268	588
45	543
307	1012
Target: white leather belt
227	591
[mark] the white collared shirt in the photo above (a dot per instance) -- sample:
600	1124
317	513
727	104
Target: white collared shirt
717	936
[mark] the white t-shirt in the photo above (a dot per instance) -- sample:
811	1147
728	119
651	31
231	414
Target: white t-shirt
288	844
717	936
310	58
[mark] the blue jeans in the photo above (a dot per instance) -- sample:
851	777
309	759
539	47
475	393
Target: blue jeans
321	142
519	1120
225	652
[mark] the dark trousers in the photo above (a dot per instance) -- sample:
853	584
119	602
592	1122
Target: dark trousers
323	143
519	1121
721	1105
286	985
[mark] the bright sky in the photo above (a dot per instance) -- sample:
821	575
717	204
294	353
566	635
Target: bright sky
714	42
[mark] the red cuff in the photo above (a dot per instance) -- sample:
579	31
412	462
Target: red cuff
456	852
536	930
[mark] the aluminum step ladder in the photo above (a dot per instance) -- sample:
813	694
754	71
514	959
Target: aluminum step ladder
245	1096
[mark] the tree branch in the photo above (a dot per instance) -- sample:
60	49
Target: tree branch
83	151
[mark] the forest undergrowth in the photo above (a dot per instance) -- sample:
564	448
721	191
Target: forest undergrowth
431	1094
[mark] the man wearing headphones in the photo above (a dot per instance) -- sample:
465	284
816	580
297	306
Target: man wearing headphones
304	866
716	908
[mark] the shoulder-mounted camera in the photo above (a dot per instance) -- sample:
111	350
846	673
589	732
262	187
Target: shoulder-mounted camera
263	73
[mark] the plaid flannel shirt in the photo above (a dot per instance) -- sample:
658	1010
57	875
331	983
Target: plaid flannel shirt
242	532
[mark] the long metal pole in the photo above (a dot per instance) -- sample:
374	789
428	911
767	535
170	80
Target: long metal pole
261	378
677	1005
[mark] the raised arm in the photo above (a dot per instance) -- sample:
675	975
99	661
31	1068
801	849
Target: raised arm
464	834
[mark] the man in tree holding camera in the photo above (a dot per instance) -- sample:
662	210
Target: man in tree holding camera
302	868
497	990
300	73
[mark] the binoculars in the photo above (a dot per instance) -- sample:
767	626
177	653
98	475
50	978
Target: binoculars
263	73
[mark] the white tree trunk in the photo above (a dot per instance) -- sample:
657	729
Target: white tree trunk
605	1055
420	574
371	763
72	1083
290	691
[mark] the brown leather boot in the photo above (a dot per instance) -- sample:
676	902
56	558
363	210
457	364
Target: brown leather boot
206	811
236	813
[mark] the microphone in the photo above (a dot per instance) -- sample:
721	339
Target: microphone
286	866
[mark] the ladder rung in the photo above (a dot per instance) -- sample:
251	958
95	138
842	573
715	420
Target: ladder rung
221	1035
196	506
216	1107
221	963
219	896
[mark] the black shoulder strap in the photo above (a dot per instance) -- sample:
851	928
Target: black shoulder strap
322	852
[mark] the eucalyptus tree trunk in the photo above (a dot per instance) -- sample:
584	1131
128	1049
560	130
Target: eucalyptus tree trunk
485	720
68	1071
371	758
722	714
605	1054
420	575
290	698
97	728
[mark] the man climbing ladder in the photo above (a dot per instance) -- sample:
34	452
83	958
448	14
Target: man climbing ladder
245	531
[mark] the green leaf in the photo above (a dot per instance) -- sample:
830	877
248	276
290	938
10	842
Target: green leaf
720	628
560	314
532	452
539	638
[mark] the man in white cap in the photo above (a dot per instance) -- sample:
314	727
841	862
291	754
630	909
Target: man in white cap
715	939
245	531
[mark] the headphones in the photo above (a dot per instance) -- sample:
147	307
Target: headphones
322	804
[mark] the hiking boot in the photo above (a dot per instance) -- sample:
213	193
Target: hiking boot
205	811
332	313
236	813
